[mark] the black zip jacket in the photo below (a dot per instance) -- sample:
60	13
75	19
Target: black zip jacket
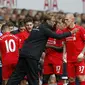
35	44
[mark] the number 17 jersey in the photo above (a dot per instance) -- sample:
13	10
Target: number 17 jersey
9	48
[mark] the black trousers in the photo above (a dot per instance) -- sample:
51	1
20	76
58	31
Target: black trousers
0	75
25	66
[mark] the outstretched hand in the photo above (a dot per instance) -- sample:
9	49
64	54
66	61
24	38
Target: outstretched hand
74	31
80	57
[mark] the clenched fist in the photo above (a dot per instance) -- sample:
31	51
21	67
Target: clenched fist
80	57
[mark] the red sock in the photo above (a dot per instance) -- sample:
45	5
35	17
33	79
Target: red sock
45	84
72	83
60	83
82	83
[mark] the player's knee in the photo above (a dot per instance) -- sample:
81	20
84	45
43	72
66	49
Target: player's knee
71	79
81	77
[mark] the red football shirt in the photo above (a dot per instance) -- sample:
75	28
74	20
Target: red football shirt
23	36
9	48
75	43
51	54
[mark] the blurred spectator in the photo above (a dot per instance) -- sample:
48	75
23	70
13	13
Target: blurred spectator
13	19
15	11
77	18
24	12
83	20
40	13
30	13
21	16
36	22
7	17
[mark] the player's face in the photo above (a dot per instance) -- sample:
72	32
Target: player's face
36	24
11	28
52	21
22	28
68	21
29	26
61	24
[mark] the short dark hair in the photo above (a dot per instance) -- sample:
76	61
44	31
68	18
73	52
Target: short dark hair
21	23
4	26
10	23
28	19
46	17
35	19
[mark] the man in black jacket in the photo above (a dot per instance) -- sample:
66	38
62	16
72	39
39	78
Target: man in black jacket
31	52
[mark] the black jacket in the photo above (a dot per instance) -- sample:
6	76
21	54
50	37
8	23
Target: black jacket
35	44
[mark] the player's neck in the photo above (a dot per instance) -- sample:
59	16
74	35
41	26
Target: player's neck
72	25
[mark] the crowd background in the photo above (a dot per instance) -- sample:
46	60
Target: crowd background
14	15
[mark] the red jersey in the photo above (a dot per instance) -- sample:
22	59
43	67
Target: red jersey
9	48
75	43
23	36
51	54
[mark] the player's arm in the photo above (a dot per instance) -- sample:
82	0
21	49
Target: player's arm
64	53
58	49
83	51
81	55
82	34
50	33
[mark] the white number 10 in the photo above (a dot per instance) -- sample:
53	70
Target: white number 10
9	44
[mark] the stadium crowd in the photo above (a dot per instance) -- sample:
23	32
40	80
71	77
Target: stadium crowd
62	60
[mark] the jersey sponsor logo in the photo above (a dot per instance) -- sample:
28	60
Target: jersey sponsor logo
51	42
72	38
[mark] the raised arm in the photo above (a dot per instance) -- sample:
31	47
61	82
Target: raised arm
52	34
58	49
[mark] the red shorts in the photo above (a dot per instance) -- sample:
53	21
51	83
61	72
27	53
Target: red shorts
76	68
7	71
52	68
